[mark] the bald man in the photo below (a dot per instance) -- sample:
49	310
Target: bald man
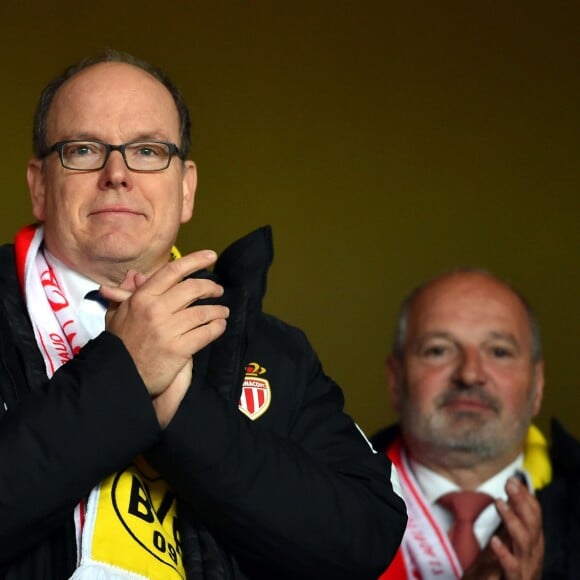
466	377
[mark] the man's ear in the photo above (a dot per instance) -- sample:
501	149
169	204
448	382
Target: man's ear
189	187
394	370
539	386
36	187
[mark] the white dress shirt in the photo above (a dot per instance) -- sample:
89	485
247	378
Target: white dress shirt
434	486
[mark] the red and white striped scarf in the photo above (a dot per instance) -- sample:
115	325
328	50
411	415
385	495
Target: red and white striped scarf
426	551
57	329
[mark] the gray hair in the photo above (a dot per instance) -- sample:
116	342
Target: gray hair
402	325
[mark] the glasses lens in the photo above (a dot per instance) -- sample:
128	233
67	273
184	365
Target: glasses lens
84	155
147	155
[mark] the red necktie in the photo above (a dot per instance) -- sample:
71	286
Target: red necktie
465	506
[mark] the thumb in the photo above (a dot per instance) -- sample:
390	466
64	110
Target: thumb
131	282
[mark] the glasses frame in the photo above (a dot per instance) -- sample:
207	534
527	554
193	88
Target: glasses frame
59	146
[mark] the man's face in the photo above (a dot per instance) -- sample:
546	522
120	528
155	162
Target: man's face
103	222
467	387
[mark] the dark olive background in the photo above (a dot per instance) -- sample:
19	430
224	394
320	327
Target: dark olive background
383	141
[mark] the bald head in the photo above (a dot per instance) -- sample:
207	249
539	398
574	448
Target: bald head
458	278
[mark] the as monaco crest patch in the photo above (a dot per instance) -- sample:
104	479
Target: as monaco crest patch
256	394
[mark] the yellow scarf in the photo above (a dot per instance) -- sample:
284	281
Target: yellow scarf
536	458
130	530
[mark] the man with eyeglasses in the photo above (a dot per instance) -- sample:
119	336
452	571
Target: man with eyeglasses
154	422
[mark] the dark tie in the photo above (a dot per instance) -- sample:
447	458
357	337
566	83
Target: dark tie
95	296
465	506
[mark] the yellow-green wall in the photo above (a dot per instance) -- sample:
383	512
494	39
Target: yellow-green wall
383	141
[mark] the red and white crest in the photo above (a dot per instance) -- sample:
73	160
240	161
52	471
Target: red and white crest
256	394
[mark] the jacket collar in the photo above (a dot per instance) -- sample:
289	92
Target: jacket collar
242	269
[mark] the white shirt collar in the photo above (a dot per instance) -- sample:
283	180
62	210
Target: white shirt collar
434	485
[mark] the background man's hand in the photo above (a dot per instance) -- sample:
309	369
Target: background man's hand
516	551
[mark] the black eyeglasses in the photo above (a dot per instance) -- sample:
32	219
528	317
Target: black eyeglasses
93	155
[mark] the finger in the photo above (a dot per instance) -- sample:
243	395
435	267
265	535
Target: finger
523	503
121	292
175	271
139	279
508	562
189	291
517	534
522	516
131	282
173	301
199	337
521	552
196	316
113	294
183	294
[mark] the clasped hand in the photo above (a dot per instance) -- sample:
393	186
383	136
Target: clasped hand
161	326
